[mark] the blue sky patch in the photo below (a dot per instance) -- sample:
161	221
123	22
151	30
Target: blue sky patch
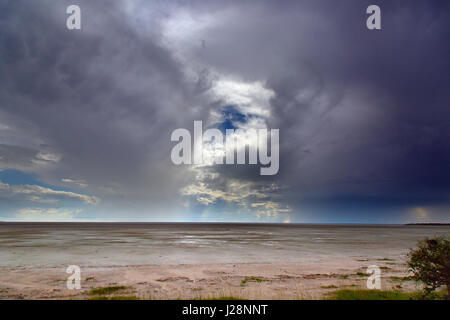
20	178
231	116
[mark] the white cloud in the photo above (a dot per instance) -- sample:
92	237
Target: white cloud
250	97
245	194
40	214
206	193
46	157
38	193
79	183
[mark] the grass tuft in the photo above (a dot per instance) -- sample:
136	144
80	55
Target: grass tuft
400	279
106	290
251	279
114	298
222	298
363	294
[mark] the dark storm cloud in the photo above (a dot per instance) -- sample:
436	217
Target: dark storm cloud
363	115
16	156
104	99
385	125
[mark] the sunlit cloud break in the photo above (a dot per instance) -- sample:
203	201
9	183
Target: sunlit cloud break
42	194
211	148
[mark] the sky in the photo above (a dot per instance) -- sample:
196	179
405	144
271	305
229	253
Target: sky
86	116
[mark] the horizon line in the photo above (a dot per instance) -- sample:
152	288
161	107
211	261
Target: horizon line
230	222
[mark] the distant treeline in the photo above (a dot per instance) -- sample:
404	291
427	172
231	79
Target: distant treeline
428	224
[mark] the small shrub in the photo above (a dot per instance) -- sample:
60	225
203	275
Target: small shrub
430	263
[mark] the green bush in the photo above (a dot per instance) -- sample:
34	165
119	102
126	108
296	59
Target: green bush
430	263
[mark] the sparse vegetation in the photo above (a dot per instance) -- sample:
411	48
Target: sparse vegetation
364	294
222	298
400	279
114	298
329	287
106	290
251	279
